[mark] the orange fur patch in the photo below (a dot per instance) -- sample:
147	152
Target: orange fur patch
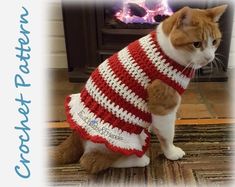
69	151
97	161
162	99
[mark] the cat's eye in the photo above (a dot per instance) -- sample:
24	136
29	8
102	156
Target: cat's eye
214	42
197	44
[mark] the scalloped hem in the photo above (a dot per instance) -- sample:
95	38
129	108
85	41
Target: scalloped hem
99	139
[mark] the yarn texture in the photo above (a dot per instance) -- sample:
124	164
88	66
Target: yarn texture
112	107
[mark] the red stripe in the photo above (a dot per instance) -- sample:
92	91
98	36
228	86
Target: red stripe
107	116
124	76
139	55
117	99
99	139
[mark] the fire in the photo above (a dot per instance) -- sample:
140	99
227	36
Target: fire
143	11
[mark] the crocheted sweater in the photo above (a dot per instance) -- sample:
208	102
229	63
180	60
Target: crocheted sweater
112	107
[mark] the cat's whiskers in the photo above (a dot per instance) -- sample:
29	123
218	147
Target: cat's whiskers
187	66
219	62
196	74
192	70
211	66
214	62
219	54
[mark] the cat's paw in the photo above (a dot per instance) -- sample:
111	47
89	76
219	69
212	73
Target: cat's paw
174	153
90	163
132	161
96	161
144	161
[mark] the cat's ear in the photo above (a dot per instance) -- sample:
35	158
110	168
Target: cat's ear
216	12
184	18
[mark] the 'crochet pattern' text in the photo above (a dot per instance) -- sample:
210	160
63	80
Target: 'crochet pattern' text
22	168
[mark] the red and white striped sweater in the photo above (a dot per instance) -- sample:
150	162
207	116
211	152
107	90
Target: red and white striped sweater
112	108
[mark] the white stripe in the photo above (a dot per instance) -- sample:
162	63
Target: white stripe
116	110
132	67
120	88
161	64
96	127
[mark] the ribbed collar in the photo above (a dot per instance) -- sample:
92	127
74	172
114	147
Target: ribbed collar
188	72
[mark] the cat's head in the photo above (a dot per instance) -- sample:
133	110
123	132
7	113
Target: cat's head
193	35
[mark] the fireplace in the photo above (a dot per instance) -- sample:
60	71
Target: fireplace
140	13
93	32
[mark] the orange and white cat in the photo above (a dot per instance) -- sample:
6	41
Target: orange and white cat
190	37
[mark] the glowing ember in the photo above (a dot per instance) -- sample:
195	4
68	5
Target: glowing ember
143	11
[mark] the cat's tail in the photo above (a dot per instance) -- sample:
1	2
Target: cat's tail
69	151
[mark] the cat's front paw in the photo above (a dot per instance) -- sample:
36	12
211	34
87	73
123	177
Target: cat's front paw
144	161
174	153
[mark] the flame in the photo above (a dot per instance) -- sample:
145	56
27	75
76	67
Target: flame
125	16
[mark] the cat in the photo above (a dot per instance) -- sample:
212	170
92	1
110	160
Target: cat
190	37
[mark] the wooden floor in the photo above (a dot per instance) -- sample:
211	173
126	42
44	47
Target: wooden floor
208	162
204	100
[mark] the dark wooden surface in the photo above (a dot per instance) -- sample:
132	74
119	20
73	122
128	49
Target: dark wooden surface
208	162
